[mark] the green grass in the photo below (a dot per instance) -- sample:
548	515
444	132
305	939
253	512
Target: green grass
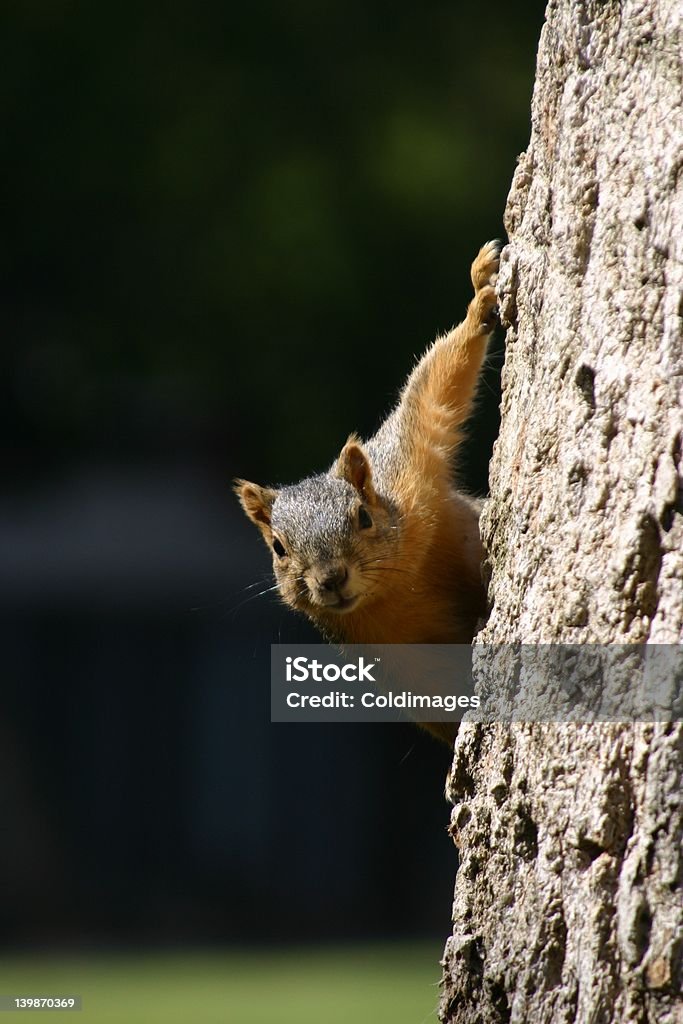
388	984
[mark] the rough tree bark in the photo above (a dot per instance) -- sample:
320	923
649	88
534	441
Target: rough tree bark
569	901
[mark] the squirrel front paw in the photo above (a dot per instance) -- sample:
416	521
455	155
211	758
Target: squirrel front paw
485	266
484	307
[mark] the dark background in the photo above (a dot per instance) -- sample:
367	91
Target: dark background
227	232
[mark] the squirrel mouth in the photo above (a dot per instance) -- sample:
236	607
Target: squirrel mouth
344	604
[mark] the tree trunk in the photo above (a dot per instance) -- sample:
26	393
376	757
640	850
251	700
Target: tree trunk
568	902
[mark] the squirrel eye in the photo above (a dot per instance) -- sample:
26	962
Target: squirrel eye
364	518
278	548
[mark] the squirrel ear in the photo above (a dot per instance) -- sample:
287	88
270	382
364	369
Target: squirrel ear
353	465
257	502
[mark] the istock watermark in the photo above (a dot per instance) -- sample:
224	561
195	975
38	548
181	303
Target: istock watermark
503	683
301	669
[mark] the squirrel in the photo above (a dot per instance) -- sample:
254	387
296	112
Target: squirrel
382	548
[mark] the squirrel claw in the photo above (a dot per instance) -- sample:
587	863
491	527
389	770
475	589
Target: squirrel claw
492	320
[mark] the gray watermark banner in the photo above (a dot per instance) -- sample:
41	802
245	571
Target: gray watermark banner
492	683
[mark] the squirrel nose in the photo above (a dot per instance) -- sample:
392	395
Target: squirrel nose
334	579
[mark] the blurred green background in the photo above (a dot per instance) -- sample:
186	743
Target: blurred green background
228	231
397	984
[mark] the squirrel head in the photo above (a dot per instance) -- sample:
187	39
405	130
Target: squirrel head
332	536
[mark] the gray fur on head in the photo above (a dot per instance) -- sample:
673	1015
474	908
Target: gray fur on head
315	515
